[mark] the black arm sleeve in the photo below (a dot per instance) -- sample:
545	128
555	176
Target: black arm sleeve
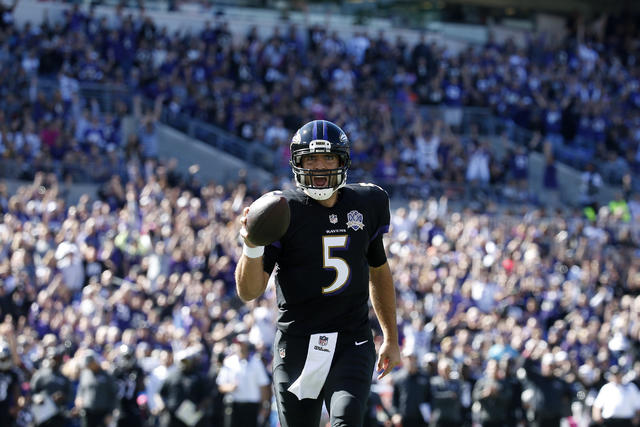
376	255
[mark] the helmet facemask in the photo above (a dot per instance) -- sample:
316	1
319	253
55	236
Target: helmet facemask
308	179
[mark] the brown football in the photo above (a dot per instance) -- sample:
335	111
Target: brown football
268	219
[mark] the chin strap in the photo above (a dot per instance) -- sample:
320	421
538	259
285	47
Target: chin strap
317	194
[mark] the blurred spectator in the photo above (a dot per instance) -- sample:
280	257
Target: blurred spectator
276	134
411	393
550	177
217	408
513	387
634	207
147	130
6	14
590	183
619	208
245	383
262	329
478	167
617	402
185	392
417	335
377	414
386	170
491	397
97	393
49	382
519	168
69	262
130	380
546	397
446	395
156	379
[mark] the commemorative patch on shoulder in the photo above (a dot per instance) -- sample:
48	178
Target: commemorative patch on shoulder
355	220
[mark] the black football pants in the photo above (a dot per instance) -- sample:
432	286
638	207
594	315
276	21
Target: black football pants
94	418
345	390
241	414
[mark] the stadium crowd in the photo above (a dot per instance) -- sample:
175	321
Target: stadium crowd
146	274
580	93
110	306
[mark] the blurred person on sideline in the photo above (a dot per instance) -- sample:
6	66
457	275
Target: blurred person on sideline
244	381
377	414
97	395
546	397
411	393
49	382
185	393
155	380
446	396
130	379
217	405
491	397
617	403
515	412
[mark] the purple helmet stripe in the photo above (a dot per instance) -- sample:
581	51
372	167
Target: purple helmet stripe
315	130
324	129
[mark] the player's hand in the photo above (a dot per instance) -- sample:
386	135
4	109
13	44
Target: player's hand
243	227
388	358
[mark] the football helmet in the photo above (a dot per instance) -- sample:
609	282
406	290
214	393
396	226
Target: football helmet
53	356
126	356
316	137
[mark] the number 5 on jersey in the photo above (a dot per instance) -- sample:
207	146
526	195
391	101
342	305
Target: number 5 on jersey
343	272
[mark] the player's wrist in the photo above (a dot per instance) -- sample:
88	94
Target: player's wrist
252	252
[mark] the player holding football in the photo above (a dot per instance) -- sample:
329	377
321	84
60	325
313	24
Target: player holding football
330	259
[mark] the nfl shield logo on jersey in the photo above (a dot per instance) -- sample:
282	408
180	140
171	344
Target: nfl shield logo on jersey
333	219
354	220
282	352
323	340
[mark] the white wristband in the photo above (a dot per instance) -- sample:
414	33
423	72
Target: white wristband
252	252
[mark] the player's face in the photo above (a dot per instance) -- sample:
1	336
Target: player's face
323	161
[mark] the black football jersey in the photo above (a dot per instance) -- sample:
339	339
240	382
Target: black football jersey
321	268
130	383
9	389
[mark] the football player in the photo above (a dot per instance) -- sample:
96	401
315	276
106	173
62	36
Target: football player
49	382
329	262
130	379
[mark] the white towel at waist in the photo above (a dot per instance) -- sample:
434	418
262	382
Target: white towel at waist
316	367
